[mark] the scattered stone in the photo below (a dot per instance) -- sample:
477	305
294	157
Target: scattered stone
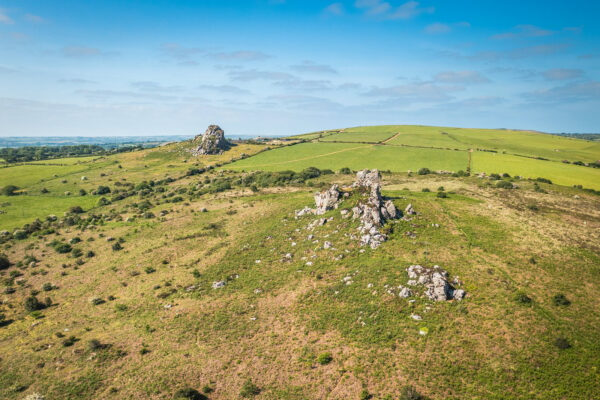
435	281
212	142
409	210
327	200
305	211
219	284
416	317
327	245
405	292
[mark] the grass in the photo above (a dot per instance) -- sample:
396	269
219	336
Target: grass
283	328
355	156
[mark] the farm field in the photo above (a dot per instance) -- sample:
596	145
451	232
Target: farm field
355	156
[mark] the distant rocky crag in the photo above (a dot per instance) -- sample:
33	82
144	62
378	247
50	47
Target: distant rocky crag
211	142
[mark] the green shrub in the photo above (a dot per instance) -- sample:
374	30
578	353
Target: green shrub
441	195
425	190
523	298
76	210
424	171
47	287
4	262
20	234
33	304
95	345
76	253
345	171
102	190
324	358
249	389
63	248
544	180
410	393
9	190
117	246
189	393
504	185
70	341
150	270
103	201
562	343
560	300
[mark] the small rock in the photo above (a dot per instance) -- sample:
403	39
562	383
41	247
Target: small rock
219	284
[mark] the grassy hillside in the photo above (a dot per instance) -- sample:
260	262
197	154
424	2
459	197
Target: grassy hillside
132	312
401	148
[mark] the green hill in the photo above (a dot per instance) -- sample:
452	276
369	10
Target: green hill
194	273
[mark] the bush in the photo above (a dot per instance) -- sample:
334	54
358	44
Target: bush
47	287
103	201
504	185
346	171
424	171
63	248
441	195
4	262
95	345
533	207
76	253
117	246
523	298
249	389
102	190
189	393
90	254
562	343
410	393
425	190
33	304
70	341
150	270
20	234
544	180
560	300
76	210
441	189
324	358
9	190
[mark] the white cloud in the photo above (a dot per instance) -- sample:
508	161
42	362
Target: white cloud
559	74
34	19
437	28
310	66
334	9
4	18
386	10
240	55
463	77
520	31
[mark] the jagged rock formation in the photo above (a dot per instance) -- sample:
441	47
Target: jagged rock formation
327	200
435	281
212	141
374	211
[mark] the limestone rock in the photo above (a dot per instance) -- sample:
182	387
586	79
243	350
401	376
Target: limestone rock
327	200
435	282
212	142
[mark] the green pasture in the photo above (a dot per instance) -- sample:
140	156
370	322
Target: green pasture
557	172
355	156
370	134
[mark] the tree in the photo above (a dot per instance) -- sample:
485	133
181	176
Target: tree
9	190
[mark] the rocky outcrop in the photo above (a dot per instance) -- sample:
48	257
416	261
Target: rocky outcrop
211	142
372	210
327	200
435	282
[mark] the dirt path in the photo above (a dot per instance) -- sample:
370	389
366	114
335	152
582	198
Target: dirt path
391	138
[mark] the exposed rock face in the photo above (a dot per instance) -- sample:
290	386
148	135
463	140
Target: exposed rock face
435	281
327	200
212	142
373	211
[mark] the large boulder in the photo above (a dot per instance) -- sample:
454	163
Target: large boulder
435	282
211	142
327	200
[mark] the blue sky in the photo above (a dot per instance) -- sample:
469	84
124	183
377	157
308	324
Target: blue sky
104	67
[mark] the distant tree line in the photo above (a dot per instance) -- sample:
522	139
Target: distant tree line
38	153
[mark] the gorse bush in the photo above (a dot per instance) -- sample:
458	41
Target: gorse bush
560	300
4	262
33	304
188	394
324	358
424	171
249	389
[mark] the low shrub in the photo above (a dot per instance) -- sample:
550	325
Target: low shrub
249	389
424	171
523	298
442	195
410	393
560	300
324	358
189	393
4	261
33	304
562	343
504	185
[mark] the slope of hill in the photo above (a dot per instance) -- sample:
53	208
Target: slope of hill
189	277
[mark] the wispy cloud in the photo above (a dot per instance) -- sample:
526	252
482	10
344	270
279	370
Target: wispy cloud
4	18
224	89
334	9
385	10
437	28
562	74
151	86
75	81
34	19
83	52
572	92
417	92
240	55
521	31
181	53
311	66
462	77
248	75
